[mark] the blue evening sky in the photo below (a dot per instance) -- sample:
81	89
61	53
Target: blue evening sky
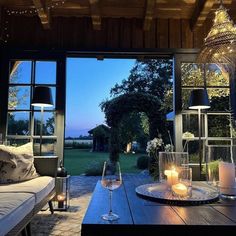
88	83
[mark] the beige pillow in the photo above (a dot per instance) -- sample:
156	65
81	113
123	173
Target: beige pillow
17	163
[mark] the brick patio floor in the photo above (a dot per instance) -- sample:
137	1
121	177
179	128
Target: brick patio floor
69	223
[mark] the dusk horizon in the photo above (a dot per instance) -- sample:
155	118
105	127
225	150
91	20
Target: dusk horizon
87	88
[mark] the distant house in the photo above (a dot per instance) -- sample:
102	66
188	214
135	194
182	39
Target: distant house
101	136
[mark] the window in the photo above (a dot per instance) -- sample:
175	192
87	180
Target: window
23	122
216	121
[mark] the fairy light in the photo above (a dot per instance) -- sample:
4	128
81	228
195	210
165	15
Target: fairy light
220	42
5	35
34	10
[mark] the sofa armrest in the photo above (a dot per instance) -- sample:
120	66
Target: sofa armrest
46	165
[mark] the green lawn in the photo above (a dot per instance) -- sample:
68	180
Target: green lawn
76	160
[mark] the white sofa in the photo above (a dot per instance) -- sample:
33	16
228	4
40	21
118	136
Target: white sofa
19	202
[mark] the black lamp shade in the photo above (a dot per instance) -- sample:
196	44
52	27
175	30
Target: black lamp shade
199	99
42	97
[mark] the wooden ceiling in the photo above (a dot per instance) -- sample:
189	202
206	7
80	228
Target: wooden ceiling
196	11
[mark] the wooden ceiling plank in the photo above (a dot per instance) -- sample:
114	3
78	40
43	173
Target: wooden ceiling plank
149	12
43	13
95	14
200	13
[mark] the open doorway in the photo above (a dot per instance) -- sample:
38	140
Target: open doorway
92	82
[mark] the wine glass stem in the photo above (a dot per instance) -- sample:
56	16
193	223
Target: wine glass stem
110	199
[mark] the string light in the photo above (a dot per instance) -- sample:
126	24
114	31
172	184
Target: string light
34	10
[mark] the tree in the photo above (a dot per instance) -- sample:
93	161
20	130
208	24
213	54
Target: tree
154	77
132	129
17	127
117	108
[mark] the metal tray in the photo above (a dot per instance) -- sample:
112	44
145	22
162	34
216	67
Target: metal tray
159	192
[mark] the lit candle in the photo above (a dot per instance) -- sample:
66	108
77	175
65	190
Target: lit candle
172	176
61	197
227	178
180	190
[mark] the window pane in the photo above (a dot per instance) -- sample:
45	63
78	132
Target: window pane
45	72
219	142
193	150
17	142
190	124
218	126
185	98
48	123
192	74
19	97
48	147
216	75
20	72
18	123
219	99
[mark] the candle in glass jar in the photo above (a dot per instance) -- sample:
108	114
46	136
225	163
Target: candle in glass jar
172	176
180	190
227	178
61	197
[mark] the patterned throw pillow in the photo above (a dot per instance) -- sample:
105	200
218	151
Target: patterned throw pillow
17	163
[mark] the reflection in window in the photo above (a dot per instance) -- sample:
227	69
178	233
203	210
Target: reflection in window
216	75
17	142
48	123
192	74
219	99
20	72
18	123
185	98
218	126
19	97
190	124
48	147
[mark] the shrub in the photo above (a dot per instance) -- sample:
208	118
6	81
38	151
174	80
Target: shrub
142	162
194	158
94	168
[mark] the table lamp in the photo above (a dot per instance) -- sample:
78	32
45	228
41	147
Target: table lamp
199	100
42	97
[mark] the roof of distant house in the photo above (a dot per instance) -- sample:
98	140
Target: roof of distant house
104	127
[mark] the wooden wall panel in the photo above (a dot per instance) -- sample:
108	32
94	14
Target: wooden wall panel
186	35
174	33
150	36
137	34
73	33
112	26
162	33
125	33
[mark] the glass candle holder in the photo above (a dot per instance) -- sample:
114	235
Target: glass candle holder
183	188
169	164
220	169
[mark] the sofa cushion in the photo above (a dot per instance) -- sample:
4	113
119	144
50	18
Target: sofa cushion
40	186
17	163
13	209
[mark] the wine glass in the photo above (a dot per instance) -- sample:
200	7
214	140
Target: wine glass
111	179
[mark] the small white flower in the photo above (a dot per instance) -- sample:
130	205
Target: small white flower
154	145
169	148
